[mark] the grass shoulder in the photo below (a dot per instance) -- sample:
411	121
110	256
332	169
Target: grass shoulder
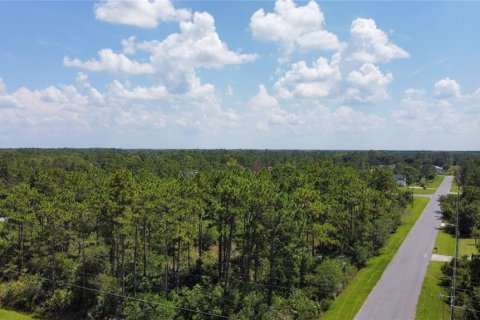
430	304
12	315
349	302
435	183
445	245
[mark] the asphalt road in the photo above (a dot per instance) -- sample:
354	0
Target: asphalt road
396	293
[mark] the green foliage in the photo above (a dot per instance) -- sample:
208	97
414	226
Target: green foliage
156	308
23	293
59	300
196	229
330	278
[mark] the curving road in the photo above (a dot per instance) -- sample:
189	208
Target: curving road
396	293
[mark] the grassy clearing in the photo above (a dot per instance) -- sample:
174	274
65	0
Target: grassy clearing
11	315
430	305
424	191
445	244
347	304
435	183
431	187
454	187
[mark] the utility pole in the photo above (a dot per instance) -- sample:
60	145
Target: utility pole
454	275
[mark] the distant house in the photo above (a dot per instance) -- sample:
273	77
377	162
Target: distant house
3	219
400	179
439	169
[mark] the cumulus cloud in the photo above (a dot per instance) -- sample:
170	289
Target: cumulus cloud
446	88
6	100
424	113
368	84
294	26
302	81
347	119
52	108
198	45
128	45
173	61
268	114
140	13
414	93
120	91
267	111
371	44
111	62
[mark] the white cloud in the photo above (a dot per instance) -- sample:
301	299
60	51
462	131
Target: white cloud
446	88
268	115
267	112
111	62
117	90
128	45
6	100
141	117
140	13
346	119
414	93
368	84
320	39
371	44
198	45
302	81
425	114
291	25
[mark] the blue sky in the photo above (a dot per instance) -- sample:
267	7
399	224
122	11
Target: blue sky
240	74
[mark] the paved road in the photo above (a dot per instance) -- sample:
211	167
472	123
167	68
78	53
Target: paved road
396	293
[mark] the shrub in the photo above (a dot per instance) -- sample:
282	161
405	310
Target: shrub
23	293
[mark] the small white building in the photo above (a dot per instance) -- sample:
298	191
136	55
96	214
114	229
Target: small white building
438	169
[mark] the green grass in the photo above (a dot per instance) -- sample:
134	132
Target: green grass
432	186
445	244
11	315
430	305
454	187
423	191
435	183
347	304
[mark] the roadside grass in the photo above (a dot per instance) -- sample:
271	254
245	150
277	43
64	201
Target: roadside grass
431	187
424	191
349	302
445	244
435	183
431	306
454	188
11	315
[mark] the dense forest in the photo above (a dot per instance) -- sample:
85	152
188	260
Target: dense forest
142	234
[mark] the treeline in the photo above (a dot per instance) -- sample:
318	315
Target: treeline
468	268
109	234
